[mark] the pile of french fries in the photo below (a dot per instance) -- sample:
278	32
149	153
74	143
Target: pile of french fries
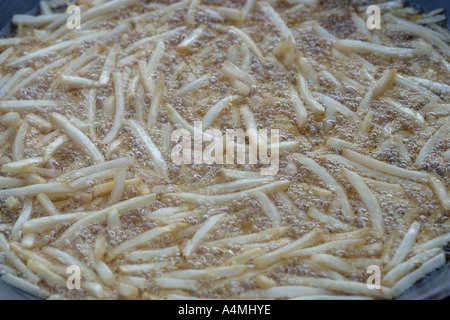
86	122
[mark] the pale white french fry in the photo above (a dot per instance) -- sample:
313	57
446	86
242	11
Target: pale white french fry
426	268
270	258
142	239
207	226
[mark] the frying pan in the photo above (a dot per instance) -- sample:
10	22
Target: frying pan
434	286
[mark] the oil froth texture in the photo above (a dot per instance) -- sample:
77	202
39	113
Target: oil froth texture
87	177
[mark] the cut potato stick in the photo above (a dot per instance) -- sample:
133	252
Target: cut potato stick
385	185
18	144
128	291
426	268
146	81
46	274
158	161
327	219
440	241
36	189
246	256
229	13
6	54
20	165
428	35
77	136
98	216
6	182
307	96
234	186
113	164
333	263
95	289
46	223
10	119
207	226
193	85
299	107
273	257
174	296
76	82
429	146
322	270
119	117
142	239
330	102
268	207
344	286
357	234
227	197
193	274
23	217
179	217
332	245
261	236
15	261
191	14
25	286
360	46
133	269
276	20
369	199
410	113
105	188
87	181
166	211
156	57
441	191
215	110
315	168
377	90
170	283
237	174
437	87
406	244
366	171
246	38
156	101
39	122
364	263
233	72
14	81
133	280
185	45
147	255
139	44
69	260
118	187
384	167
406	267
265	282
108	66
54	146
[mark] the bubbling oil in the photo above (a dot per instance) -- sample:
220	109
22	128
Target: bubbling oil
272	108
